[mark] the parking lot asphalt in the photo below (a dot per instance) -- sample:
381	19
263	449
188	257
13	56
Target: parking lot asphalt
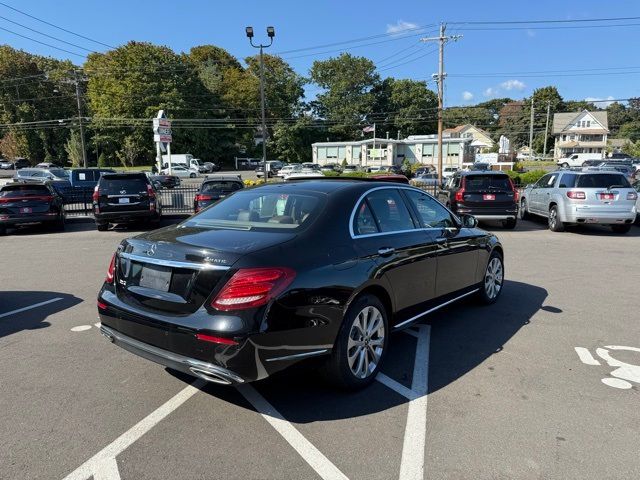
527	388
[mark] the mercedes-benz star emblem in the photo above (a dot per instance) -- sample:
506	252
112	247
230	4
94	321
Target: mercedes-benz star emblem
152	250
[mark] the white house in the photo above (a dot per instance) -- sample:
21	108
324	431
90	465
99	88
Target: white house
580	132
421	149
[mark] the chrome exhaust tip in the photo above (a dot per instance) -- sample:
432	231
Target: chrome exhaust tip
210	376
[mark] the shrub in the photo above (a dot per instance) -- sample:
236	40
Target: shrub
102	160
533	176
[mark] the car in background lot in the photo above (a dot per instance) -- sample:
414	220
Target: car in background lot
214	188
619	156
627	170
350	168
389	177
180	171
5	164
289	169
636	186
210	167
449	171
581	197
274	167
40	174
48	165
19	163
592	163
165	181
30	203
331	167
425	180
125	198
487	195
87	177
235	294
577	159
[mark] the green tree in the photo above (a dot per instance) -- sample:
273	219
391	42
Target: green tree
292	141
347	96
129	151
73	147
630	130
405	105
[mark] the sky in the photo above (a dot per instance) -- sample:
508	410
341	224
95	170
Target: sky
489	61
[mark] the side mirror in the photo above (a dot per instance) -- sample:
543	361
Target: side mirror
468	221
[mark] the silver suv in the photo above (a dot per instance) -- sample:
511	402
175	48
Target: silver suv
579	197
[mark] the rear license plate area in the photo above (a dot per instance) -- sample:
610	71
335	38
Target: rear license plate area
123	200
607	196
26	210
155	277
488	196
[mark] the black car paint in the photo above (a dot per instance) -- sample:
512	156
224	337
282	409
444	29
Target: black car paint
145	207
41	210
332	269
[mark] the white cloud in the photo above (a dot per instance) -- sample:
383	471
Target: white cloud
490	92
600	102
401	26
513	85
467	96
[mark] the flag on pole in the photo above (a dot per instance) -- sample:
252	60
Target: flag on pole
369	128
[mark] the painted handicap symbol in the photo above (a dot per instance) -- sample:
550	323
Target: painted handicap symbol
624	373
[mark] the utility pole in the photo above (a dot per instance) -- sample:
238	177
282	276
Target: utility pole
440	79
546	130
531	131
270	33
84	150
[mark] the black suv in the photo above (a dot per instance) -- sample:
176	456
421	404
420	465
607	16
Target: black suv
214	188
487	195
125	198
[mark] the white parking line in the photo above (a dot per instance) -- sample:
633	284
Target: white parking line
415	433
101	465
24	309
300	444
585	356
396	386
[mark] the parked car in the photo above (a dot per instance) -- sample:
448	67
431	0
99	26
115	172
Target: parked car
40	174
636	186
30	203
425	180
331	167
423	170
125	198
19	163
87	177
580	197
310	165
627	170
5	164
479	166
235	293
487	195
180	171
165	181
210	167
577	159
214	188
274	167
592	163
48	165
350	169
619	155
390	177
449	171
289	169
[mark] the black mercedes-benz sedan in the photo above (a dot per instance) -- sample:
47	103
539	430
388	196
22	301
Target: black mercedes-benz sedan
273	275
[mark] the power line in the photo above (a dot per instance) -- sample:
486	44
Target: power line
391	67
55	26
578	20
564	27
42	43
46	35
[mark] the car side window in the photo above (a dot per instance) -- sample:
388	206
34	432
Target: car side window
364	223
552	180
542	183
568	180
389	210
431	212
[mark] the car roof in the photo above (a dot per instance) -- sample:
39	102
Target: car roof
222	178
117	175
481	172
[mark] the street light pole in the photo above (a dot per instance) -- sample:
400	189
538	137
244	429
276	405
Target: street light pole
84	150
270	33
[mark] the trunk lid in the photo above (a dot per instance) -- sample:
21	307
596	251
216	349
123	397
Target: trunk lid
488	191
25	200
123	193
175	269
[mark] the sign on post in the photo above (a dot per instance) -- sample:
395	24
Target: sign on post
162	136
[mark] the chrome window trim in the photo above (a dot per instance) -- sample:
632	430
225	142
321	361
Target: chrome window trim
394	187
172	263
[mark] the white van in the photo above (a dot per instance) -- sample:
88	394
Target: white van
577	159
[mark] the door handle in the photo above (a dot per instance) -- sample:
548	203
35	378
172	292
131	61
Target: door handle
442	240
384	251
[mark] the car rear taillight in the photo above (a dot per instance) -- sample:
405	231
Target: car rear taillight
253	287
111	270
152	197
632	196
516	194
576	195
459	197
202	198
96	194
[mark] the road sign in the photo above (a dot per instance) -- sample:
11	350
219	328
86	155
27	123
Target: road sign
162	129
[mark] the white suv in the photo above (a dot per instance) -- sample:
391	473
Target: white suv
579	197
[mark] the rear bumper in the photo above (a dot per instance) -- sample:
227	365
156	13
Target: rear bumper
496	217
585	216
490	214
175	361
127	216
24	220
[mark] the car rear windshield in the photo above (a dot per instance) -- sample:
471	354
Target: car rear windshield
59	172
229	186
129	183
602	180
487	182
253	209
13	191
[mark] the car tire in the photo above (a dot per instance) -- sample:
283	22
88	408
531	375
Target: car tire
350	364
621	228
192	175
555	224
3	231
60	223
102	227
523	211
493	279
565	165
509	224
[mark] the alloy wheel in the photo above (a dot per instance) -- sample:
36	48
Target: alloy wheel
366	342
553	218
493	278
